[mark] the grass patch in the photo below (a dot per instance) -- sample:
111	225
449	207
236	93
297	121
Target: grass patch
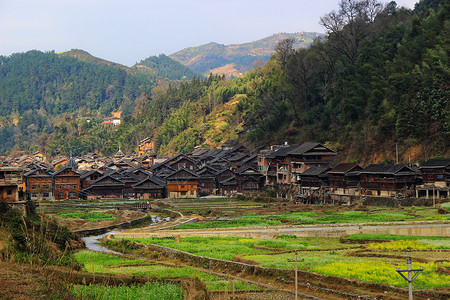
385	273
333	217
401	245
436	242
227	247
311	259
446	205
248	221
150	290
103	263
89	216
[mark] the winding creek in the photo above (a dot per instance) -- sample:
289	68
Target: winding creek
93	242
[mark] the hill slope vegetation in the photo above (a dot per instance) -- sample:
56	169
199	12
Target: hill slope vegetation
237	59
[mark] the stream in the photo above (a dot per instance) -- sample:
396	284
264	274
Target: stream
93	243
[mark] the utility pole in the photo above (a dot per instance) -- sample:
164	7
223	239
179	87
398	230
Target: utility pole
296	275
411	277
396	153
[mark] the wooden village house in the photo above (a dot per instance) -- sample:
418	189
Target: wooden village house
11	184
344	179
387	180
435	177
182	183
39	184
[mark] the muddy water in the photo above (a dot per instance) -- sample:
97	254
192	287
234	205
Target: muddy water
93	243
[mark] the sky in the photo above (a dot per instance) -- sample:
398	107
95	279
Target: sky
128	31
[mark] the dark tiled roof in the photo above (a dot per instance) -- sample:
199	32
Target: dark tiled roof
238	157
154	179
387	169
436	163
315	171
344	168
281	152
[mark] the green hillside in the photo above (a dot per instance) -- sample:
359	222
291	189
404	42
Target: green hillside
165	67
38	90
361	95
206	58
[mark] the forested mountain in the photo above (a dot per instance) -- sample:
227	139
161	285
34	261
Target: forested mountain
166	67
39	89
380	77
237	59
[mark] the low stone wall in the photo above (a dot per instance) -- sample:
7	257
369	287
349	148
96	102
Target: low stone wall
285	276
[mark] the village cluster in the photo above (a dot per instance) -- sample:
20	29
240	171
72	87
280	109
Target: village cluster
300	170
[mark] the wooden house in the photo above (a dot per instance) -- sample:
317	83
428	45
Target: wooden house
39	156
67	184
435	178
286	163
237	159
146	146
151	187
59	162
207	181
88	177
344	179
106	186
182	183
11	184
249	179
39	183
182	161
387	180
228	187
313	179
225	174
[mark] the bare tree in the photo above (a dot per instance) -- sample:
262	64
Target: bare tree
347	27
283	49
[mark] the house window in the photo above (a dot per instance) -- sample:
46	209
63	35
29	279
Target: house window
183	193
440	176
33	187
9	192
58	186
45	187
74	186
60	195
34	195
46	195
72	194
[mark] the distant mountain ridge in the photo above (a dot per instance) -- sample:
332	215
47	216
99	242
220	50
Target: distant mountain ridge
156	66
237	59
166	67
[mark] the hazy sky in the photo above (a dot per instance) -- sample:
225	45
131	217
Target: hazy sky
127	31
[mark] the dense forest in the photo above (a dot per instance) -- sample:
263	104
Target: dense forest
380	77
166	67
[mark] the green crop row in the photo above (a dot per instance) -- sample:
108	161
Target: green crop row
89	216
386	273
150	290
248	221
